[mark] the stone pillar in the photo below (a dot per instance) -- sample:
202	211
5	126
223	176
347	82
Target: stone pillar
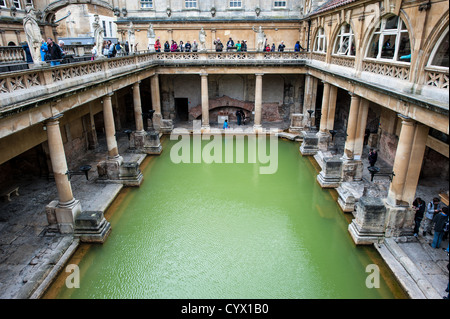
205	101
309	100
137	107
64	211
156	102
325	103
351	127
360	129
258	102
110	130
331	107
330	176
401	162
323	134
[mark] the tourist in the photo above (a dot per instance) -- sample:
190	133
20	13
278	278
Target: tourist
239	117
195	46
432	209
281	47
419	207
244	46
230	44
238	46
373	156
118	49
61	46
267	48
181	46
44	49
439	221
298	47
105	48
28	56
225	125
174	47
127	48
94	52
157	46
111	49
187	47
273	48
166	46
219	45
54	53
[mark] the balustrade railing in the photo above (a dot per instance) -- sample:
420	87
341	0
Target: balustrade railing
12	54
398	71
437	78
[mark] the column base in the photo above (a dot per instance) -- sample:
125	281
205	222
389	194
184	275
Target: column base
296	123
399	220
324	140
330	176
126	173
257	128
92	227
352	170
205	129
147	143
309	146
368	227
63	216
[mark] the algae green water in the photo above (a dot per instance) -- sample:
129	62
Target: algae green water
226	231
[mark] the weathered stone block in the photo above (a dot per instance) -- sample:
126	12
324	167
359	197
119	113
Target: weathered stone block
310	144
369	225
92	227
330	176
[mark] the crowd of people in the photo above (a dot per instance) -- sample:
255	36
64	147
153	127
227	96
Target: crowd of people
231	45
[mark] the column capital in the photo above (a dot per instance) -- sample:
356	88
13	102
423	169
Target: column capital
203	74
136	84
406	120
108	95
259	74
353	94
54	119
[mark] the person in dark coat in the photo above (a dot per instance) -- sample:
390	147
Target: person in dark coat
373	156
419	207
54	52
439	222
26	48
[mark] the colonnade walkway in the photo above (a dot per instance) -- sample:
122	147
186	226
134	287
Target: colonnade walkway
31	253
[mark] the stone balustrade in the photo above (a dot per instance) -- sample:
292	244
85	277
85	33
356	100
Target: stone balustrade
12	54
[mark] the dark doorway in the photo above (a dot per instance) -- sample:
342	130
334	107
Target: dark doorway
182	108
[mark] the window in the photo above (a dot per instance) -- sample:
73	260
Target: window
321	41
29	3
345	42
190	4
110	29
146	4
2	3
104	28
279	4
440	56
16	3
235	4
390	41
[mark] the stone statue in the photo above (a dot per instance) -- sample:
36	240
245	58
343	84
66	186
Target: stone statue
98	36
131	37
151	38
33	34
202	39
260	39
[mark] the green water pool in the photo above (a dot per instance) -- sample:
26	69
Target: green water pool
226	231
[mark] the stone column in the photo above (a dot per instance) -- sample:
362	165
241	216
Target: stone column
205	101
156	102
309	100
258	101
64	211
351	127
325	101
110	130
59	164
360	129
401	162
138	107
331	107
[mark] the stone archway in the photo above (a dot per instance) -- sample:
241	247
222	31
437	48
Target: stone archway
229	105
48	14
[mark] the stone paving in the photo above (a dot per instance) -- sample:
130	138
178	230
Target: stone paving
29	249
